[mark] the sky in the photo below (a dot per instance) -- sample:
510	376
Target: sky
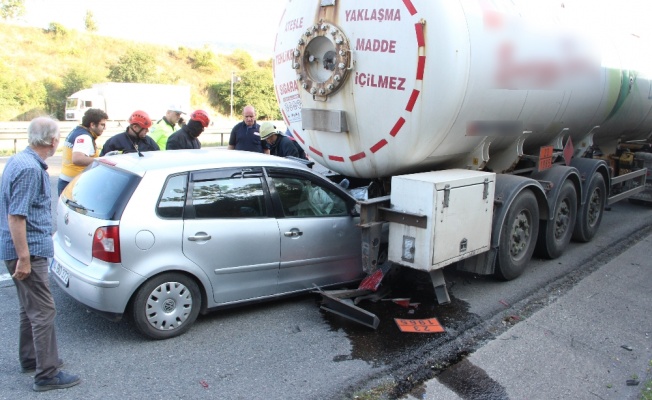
227	24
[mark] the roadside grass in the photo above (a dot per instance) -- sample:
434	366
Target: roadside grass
646	392
380	392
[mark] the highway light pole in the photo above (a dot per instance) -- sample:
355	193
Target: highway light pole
233	79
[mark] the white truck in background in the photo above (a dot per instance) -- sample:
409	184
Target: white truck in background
119	100
490	129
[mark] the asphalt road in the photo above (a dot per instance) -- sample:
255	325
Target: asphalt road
289	349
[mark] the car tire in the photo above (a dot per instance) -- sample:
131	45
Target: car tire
166	306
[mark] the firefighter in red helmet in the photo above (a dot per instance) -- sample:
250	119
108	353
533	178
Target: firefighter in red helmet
186	137
134	139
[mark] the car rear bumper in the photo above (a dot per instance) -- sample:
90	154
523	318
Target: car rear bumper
103	287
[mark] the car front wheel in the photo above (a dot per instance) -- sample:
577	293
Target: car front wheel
166	306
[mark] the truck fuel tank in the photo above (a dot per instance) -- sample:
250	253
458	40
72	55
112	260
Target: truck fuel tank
375	88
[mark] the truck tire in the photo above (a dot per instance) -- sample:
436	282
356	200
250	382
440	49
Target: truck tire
555	234
166	306
590	214
518	236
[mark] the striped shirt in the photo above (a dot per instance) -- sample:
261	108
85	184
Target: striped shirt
26	191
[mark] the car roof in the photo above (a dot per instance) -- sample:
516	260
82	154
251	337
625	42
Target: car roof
185	160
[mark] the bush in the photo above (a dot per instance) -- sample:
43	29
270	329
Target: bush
57	30
135	66
17	95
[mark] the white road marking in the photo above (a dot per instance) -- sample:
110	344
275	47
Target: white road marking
5	277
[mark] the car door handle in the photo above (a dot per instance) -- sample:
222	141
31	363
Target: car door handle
293	233
199	238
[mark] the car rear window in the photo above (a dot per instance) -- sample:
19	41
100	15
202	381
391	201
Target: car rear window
100	191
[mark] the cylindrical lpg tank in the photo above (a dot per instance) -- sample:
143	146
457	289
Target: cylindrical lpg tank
375	88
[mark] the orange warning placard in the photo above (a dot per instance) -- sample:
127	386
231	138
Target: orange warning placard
430	325
545	157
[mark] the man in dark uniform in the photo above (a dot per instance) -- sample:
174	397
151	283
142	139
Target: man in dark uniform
134	139
245	136
280	145
186	137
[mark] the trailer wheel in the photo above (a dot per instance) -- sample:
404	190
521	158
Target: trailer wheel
590	214
555	234
518	236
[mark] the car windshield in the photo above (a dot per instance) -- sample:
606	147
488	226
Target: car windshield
100	191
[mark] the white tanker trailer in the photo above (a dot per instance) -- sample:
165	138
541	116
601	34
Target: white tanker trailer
496	128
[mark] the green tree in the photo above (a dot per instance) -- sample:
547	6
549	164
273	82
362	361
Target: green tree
10	9
255	87
89	21
259	88
19	97
134	66
55	100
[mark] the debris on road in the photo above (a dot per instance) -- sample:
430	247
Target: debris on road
430	325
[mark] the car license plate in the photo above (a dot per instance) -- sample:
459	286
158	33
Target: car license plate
59	271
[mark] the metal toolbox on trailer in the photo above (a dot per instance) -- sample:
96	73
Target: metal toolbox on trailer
458	205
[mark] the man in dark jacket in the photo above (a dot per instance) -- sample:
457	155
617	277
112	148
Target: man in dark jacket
186	137
300	150
280	145
134	139
245	136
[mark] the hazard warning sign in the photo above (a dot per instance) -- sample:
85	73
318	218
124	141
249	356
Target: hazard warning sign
430	325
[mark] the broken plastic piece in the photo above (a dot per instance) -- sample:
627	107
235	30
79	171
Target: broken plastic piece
633	382
204	383
371	282
402	302
626	347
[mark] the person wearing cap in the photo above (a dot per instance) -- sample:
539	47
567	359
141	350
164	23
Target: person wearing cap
300	150
163	128
134	139
186	137
279	144
79	148
245	134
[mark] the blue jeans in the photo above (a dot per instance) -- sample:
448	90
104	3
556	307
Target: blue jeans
61	184
37	343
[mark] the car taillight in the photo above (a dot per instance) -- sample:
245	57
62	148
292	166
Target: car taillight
106	244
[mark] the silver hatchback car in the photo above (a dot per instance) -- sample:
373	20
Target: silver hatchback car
167	235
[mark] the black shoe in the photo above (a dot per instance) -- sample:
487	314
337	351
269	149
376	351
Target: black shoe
61	380
32	369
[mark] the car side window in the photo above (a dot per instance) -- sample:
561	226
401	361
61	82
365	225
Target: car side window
234	197
301	197
174	197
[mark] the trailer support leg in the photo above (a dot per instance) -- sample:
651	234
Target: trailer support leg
439	283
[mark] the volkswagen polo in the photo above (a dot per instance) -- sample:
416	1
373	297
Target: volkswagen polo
165	236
